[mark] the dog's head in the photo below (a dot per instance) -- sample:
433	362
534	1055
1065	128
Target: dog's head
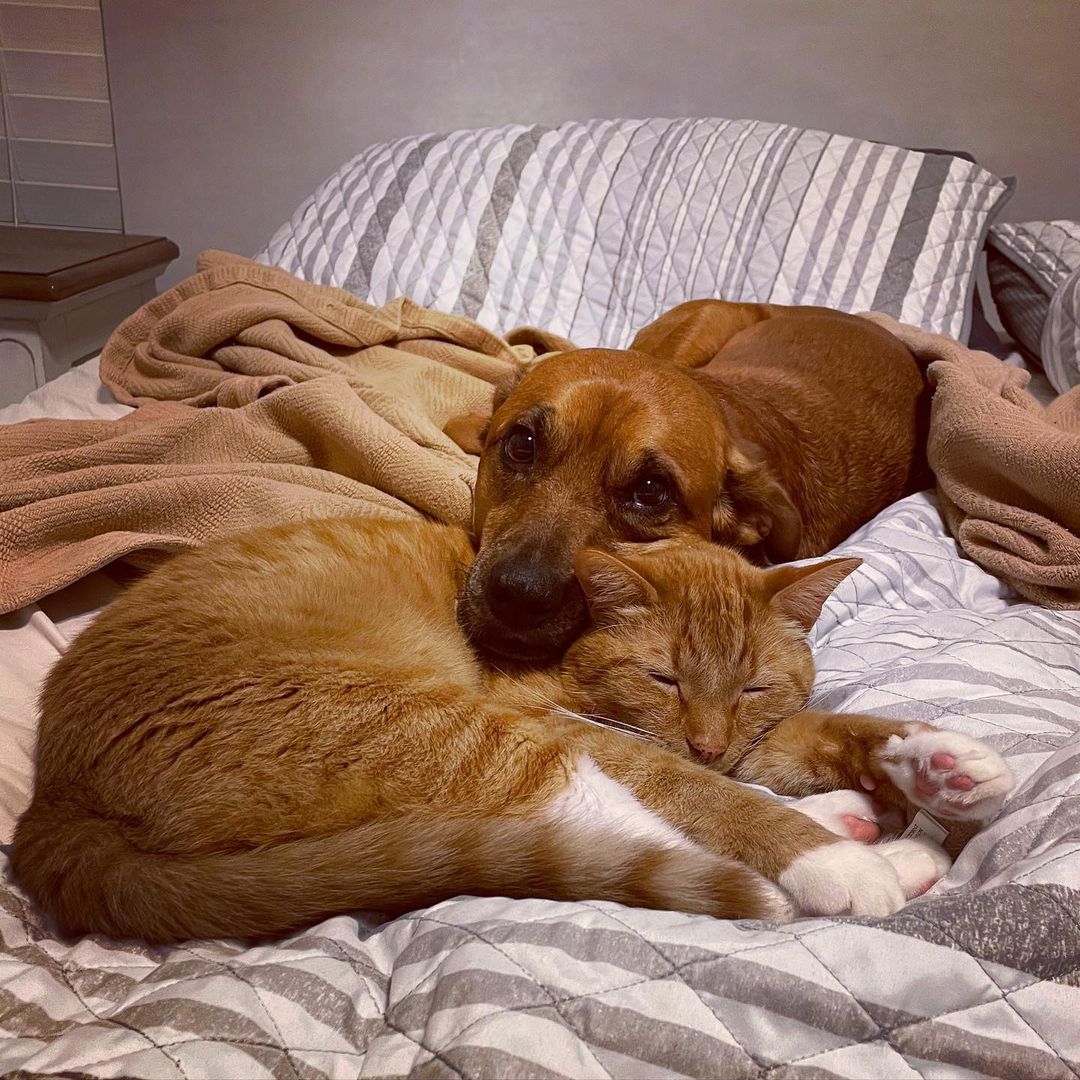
588	448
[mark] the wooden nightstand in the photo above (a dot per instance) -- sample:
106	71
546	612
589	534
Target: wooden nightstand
62	293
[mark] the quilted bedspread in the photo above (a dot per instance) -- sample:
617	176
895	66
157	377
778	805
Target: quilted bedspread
980	977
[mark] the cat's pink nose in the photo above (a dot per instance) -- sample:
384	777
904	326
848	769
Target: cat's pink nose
706	751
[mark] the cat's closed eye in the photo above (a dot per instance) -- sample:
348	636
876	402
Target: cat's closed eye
664	680
756	689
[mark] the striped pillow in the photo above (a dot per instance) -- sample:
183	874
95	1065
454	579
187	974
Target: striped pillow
1061	336
594	229
1026	263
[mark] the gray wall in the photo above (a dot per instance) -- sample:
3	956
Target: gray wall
228	112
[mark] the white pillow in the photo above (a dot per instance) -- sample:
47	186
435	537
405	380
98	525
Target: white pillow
594	229
1027	263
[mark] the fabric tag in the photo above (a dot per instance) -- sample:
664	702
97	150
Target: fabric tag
922	824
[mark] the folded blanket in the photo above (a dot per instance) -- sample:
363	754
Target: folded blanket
353	425
1007	467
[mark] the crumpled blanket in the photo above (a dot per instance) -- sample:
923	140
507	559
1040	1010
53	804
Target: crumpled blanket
1007	467
353	425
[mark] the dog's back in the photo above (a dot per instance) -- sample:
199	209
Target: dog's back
838	406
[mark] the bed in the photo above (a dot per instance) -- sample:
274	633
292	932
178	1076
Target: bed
590	230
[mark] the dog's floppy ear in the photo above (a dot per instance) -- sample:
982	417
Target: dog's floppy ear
754	508
470	431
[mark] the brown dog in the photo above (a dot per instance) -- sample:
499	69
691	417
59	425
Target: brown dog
775	430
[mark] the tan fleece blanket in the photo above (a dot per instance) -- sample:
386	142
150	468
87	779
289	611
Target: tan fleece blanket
262	399
1007	467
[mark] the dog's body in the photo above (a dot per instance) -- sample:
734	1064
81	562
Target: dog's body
836	410
775	430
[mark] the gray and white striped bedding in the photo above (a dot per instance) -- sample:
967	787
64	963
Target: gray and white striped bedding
1048	251
1061	335
1034	273
593	229
980	977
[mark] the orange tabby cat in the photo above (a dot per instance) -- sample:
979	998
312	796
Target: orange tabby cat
288	724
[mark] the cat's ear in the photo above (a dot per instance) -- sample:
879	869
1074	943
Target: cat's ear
610	585
754	508
470	431
799	592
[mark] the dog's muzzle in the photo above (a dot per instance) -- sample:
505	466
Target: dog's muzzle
524	607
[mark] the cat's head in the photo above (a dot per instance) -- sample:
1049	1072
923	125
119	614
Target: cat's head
695	645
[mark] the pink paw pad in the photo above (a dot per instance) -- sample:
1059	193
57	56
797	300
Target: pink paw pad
929	784
854	815
861	829
947	773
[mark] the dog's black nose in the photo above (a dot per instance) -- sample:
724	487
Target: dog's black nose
524	589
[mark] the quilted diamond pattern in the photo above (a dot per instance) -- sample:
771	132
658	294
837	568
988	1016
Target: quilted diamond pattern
1049	251
593	229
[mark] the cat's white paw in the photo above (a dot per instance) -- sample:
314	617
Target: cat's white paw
843	878
951	775
854	815
919	863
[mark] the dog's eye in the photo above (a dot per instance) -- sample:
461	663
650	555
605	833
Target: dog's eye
651	492
519	446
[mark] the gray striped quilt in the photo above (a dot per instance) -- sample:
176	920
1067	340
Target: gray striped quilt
980	977
1047	251
1061	335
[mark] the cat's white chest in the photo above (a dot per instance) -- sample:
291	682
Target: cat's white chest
593	799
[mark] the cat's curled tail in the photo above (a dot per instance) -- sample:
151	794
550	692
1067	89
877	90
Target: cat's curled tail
86	875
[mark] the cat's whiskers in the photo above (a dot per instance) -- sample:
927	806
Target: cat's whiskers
616	725
599	721
547	704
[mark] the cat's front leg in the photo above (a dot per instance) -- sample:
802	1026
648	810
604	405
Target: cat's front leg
905	764
823	874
